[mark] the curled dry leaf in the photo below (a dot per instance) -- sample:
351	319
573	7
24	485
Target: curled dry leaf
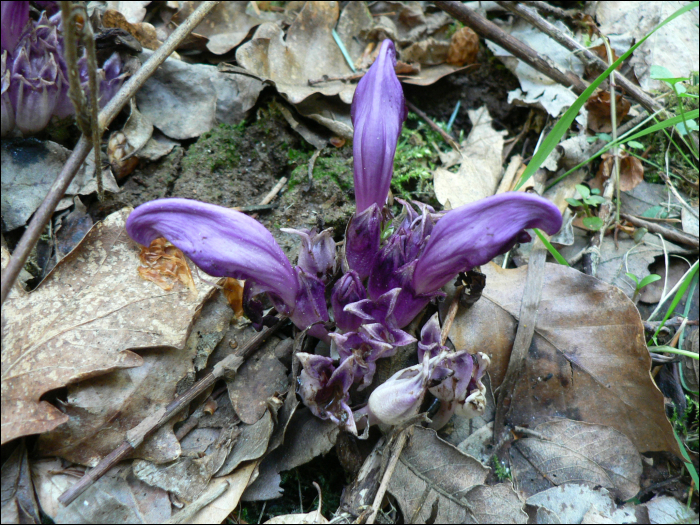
631	171
464	46
144	32
588	360
570	451
233	291
82	322
225	26
307	52
431	473
18	502
599	111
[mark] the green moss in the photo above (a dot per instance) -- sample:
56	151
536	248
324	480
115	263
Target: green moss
216	150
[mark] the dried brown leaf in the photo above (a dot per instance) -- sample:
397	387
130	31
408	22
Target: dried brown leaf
599	111
588	360
144	32
82	322
18	502
631	171
251	444
431	469
233	291
220	508
307	52
570	451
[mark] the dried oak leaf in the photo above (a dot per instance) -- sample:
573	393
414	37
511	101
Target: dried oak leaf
588	360
82	322
631	171
599	111
144	32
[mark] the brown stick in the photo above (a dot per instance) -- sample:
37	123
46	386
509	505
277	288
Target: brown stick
395	455
587	57
81	150
148	426
523	337
667	233
491	31
446	136
550	10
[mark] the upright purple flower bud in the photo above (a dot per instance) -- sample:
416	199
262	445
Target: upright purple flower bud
378	111
15	16
475	233
362	239
227	243
111	78
430	337
317	253
348	289
35	84
324	389
8	112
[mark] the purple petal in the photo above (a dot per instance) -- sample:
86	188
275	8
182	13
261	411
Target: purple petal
430	337
364	351
309	307
391	336
380	310
348	289
378	111
385	274
475	233
222	242
8	112
362	238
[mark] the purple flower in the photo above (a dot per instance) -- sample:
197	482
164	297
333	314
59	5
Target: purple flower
378	111
317	253
430	336
35	83
379	319
348	289
324	389
15	16
227	243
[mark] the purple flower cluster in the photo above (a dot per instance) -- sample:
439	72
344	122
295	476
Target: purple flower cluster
385	282
34	73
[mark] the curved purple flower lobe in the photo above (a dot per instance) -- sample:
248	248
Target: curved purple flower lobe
222	242
362	239
475	233
15	16
378	111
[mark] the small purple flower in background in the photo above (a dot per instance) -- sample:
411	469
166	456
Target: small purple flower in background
34	72
317	253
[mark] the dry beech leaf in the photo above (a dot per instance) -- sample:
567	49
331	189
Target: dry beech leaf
251	444
464	46
570	451
588	360
82	322
667	509
18	501
599	111
631	171
218	510
431	470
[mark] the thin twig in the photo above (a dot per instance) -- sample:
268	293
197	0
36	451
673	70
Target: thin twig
81	150
89	43
550	10
667	233
450	317
589	58
523	338
148	426
70	46
491	31
446	136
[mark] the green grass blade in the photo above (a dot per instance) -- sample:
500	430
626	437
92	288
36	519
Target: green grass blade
671	350
551	248
664	124
558	131
688	462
